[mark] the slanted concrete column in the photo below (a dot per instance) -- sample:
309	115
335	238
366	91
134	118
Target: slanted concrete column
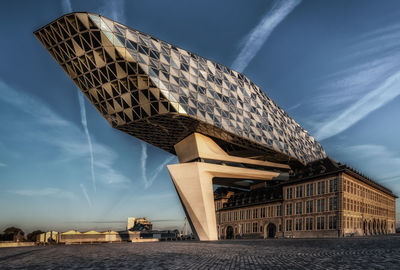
193	180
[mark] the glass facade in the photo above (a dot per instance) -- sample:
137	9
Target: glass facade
160	93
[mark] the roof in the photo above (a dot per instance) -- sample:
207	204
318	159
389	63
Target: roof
326	167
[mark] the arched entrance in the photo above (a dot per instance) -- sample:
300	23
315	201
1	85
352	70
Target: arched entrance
271	230
365	227
229	232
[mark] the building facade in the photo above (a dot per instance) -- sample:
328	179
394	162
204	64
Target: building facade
324	200
224	129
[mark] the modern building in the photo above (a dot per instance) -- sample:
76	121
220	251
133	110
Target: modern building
138	224
325	199
224	129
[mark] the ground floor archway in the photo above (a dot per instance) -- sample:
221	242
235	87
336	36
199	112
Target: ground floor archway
229	232
271	230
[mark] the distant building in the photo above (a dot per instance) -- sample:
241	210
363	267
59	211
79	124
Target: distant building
326	199
138	224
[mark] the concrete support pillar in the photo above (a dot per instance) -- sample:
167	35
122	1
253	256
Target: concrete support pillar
193	180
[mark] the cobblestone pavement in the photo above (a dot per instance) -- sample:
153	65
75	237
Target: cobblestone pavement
349	253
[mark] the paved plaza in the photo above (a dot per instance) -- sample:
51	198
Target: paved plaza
349	253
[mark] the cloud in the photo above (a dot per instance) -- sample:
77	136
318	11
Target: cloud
45	192
66	6
86	195
379	162
257	37
89	140
3	164
371	81
387	91
43	125
148	181
294	107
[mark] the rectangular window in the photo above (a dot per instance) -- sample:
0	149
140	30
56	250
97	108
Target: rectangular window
289	193
288	225
318	205
335	184
318	223
289	209
255	213
299	208
279	210
311	189
335	203
299	224
309	224
332	222
255	227
322	205
323	187
299	191
331	185
322	223
319	188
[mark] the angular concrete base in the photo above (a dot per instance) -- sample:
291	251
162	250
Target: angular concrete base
194	180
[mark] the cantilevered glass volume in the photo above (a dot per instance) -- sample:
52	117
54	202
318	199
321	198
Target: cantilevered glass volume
161	93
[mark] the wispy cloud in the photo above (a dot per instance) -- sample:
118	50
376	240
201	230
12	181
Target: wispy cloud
379	161
257	37
89	140
66	6
45	192
86	195
114	10
294	107
45	126
371	81
387	91
3	164
148	181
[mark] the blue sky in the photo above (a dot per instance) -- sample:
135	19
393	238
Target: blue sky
332	65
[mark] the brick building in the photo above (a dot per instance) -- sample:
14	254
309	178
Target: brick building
324	199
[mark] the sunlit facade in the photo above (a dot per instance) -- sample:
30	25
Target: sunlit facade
224	129
327	199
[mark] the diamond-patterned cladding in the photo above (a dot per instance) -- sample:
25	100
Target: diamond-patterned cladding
161	93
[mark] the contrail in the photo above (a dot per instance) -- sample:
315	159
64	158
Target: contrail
85	127
257	37
86	195
114	10
66	6
158	170
372	101
143	164
143	161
